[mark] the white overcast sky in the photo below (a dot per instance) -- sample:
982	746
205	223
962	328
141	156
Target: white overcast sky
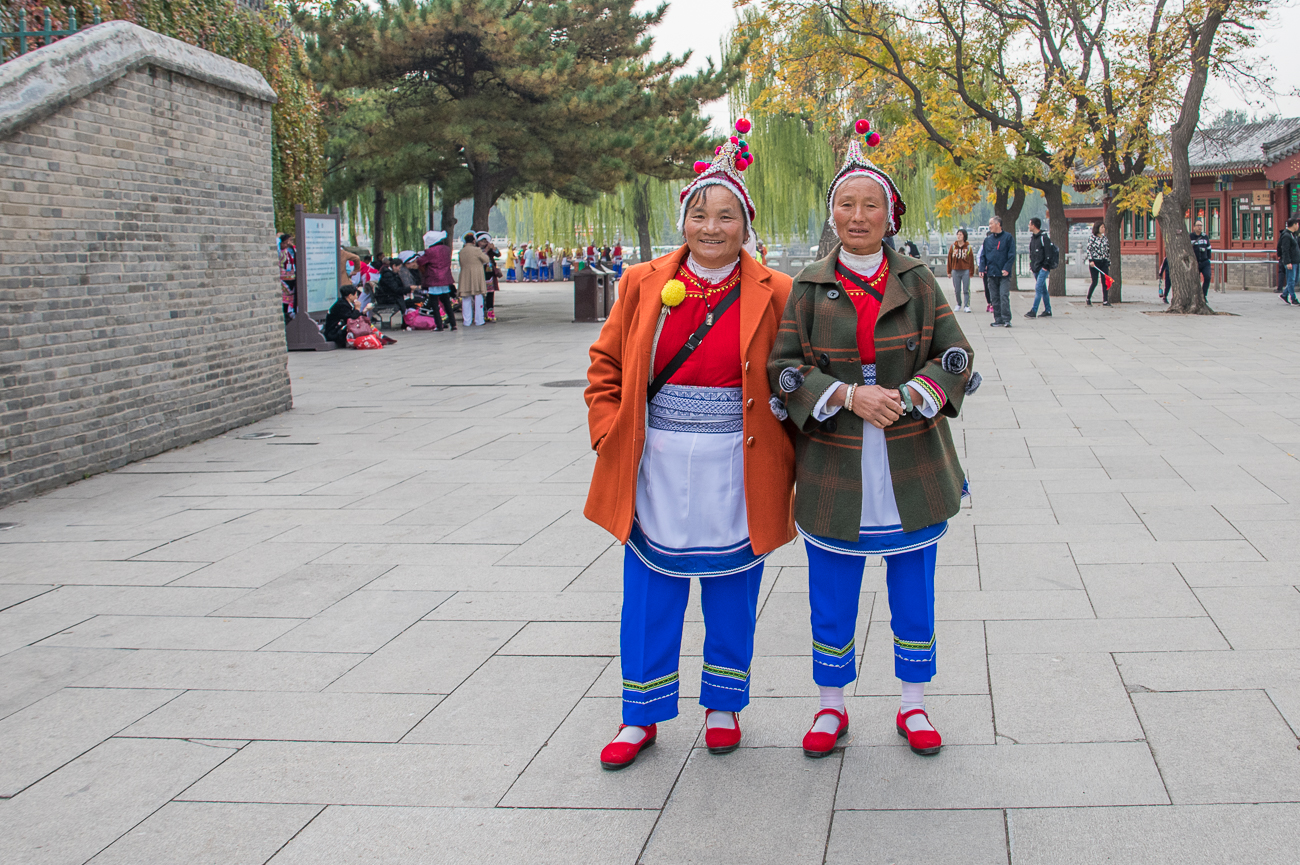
701	24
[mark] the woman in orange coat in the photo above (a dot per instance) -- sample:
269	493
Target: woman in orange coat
694	467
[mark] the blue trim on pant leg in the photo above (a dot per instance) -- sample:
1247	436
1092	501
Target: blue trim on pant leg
910	579
650	641
834	587
730	606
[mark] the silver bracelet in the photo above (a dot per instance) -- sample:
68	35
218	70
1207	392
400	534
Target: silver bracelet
848	397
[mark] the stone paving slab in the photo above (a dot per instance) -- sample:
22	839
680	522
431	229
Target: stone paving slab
389	635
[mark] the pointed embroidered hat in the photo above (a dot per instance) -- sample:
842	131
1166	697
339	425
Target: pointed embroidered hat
856	164
730	160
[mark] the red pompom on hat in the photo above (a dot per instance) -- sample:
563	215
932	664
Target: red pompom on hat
730	160
862	127
856	163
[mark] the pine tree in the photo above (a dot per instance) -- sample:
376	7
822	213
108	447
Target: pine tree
557	98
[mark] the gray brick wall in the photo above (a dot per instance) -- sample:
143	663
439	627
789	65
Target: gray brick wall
141	304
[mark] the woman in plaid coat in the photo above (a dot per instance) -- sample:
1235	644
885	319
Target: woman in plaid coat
869	363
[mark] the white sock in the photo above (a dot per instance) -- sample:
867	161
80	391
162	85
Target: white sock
914	698
632	734
721	720
831	698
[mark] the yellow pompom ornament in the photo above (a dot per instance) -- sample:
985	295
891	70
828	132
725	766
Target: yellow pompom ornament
674	293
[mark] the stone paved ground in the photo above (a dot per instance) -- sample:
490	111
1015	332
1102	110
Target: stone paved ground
388	635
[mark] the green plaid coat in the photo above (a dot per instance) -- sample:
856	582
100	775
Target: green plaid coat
818	336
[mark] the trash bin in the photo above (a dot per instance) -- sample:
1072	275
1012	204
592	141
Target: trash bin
588	296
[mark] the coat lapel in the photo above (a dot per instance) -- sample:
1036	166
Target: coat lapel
755	295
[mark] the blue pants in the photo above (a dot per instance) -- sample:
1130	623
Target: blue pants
1040	292
650	639
834	585
1289	291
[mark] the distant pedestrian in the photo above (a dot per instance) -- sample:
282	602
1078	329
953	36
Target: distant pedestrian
998	260
435	269
1099	263
1290	258
471	286
491	273
979	268
1201	246
1163	273
288	275
1040	265
960	262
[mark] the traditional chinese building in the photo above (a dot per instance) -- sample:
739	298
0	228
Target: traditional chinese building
1245	182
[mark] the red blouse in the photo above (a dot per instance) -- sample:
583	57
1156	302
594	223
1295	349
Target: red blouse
866	294
716	362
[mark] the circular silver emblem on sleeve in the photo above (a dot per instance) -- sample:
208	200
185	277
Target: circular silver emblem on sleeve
955	360
791	379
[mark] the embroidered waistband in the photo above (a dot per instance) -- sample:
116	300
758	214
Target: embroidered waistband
682	408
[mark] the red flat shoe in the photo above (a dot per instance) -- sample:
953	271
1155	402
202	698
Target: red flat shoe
923	742
719	739
819	745
620	755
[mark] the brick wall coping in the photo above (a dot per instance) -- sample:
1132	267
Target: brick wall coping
42	81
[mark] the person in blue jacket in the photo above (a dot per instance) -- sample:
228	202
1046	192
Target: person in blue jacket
998	260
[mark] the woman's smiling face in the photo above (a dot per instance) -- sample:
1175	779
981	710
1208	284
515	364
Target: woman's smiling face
714	226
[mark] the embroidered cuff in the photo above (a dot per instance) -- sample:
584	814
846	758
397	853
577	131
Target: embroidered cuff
931	394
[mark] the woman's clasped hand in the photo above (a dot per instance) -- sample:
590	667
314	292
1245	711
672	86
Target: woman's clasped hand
878	406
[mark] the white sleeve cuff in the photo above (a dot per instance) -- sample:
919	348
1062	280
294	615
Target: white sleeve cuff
820	412
928	407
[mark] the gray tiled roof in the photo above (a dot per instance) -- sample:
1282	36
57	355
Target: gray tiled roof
1248	145
1225	149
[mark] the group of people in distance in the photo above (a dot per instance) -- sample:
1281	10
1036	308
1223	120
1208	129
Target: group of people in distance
733	409
532	263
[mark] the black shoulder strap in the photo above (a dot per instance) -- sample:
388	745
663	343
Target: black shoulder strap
692	343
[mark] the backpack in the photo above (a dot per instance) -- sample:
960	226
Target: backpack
1051	255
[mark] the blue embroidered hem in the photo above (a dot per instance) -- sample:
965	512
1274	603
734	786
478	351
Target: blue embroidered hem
693	562
880	540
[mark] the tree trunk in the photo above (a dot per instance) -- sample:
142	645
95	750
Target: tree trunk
379	243
1058	228
1184	278
1009	213
641	216
1113	222
828	240
484	198
430	228
448	215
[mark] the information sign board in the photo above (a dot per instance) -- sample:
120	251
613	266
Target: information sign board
318	278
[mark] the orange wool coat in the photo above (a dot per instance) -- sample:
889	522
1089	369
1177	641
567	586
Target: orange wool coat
620	367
